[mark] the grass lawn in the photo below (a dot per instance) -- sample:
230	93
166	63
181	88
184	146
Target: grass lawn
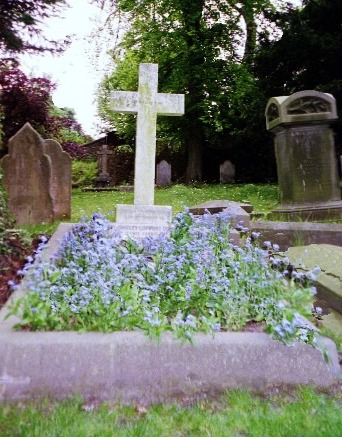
263	197
302	413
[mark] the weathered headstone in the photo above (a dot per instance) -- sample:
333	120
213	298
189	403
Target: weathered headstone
60	182
139	219
37	178
163	173
304	146
227	173
103	154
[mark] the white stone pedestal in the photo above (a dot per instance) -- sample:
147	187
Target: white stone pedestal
139	221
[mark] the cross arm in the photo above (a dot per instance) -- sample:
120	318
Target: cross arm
124	101
170	104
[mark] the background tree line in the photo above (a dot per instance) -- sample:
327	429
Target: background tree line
228	57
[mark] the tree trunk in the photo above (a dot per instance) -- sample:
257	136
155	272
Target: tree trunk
192	14
195	152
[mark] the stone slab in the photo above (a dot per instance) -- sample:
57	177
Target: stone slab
128	367
163	176
27	178
287	234
329	259
314	211
215	206
234	209
139	221
157	215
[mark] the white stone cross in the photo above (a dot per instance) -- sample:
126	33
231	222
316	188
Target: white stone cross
147	103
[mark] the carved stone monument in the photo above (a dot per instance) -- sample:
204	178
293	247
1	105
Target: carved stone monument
37	178
103	154
304	147
144	218
163	173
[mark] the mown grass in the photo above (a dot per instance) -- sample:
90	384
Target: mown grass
303	413
263	197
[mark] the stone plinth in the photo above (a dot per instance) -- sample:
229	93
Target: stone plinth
304	147
139	221
329	258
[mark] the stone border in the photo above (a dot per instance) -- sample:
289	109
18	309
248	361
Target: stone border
287	234
127	366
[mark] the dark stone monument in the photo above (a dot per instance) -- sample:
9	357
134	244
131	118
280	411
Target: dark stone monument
37	178
227	173
103	154
163	173
304	147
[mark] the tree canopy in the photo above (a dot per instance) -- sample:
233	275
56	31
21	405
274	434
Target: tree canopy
21	25
203	51
307	55
28	99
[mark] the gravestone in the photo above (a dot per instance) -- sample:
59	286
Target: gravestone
145	218
163	173
37	178
103	154
227	173
304	147
60	182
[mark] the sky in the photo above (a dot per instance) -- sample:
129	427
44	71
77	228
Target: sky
74	72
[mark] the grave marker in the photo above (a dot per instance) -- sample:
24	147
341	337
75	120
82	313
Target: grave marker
163	173
60	182
227	173
147	103
103	155
304	145
139	220
37	178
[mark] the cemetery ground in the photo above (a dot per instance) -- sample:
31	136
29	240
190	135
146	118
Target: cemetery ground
302	411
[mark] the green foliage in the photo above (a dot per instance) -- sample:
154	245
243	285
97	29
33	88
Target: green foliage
197	46
21	25
302	412
83	173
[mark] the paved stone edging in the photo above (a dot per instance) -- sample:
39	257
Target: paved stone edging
127	366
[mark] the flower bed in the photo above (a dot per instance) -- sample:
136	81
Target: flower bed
191	281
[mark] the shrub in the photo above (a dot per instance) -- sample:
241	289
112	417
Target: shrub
83	173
